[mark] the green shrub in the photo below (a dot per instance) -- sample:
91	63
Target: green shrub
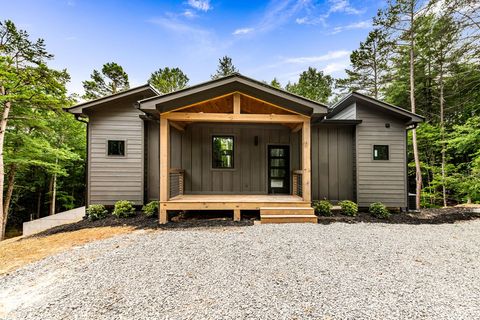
96	212
349	208
379	210
124	209
323	207
150	208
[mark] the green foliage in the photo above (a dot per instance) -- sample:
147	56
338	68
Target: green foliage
150	209
274	83
313	85
225	68
168	80
379	210
349	208
110	80
369	66
123	209
96	212
323	207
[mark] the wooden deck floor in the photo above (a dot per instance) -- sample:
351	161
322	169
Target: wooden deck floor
231	202
237	203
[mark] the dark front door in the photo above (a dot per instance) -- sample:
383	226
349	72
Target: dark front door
278	169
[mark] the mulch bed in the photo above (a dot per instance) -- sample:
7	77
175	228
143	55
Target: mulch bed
425	216
208	219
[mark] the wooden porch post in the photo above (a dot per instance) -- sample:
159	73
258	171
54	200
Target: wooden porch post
164	166
306	164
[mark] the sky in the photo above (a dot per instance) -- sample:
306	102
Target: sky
265	39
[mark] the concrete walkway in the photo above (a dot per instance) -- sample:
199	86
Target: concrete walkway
36	226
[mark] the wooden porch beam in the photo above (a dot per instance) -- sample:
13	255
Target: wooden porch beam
236	103
241	118
306	163
164	167
178	126
297	128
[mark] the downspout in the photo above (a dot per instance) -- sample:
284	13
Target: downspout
410	126
79	118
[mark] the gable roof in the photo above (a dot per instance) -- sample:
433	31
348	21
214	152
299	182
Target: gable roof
230	84
374	103
135	93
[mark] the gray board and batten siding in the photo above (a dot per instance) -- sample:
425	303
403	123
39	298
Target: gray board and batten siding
192	151
333	162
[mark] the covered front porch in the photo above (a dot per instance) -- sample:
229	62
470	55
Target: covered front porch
235	144
190	179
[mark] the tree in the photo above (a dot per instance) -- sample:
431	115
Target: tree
398	22
27	86
274	83
168	80
111	80
369	66
313	85
225	68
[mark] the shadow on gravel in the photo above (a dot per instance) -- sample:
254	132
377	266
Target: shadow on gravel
425	216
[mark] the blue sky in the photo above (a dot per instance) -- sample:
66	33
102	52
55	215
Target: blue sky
266	39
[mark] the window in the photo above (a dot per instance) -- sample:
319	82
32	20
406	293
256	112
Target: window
380	152
116	148
222	152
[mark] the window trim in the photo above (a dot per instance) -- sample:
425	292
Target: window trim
213	136
113	155
382	145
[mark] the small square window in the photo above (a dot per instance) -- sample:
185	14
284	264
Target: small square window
116	148
222	152
380	152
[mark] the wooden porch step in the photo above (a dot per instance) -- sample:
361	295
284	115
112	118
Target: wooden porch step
286	210
287	215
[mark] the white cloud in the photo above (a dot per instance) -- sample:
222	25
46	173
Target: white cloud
202	5
315	16
343	6
332	55
189	14
335	67
243	31
357	25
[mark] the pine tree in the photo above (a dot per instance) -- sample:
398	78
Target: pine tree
369	66
167	80
225	68
110	80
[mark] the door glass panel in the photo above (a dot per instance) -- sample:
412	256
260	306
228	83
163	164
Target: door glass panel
277	152
276	183
277	173
277	162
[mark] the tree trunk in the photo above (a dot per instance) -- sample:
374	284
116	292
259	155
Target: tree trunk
39	203
418	172
12	170
3	128
54	191
442	137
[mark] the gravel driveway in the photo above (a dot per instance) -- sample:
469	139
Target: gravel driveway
355	271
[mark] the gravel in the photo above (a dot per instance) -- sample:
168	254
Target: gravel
302	271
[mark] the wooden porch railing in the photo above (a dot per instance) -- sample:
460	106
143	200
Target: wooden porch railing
297	183
177	185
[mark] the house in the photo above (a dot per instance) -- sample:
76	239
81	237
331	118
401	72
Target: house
235	143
